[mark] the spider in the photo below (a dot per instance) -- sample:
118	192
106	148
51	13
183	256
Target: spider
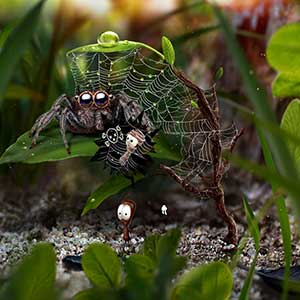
89	112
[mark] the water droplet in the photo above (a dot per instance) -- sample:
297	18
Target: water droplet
141	79
93	200
32	154
150	75
257	88
25	147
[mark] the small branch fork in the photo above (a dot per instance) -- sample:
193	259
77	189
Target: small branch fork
215	189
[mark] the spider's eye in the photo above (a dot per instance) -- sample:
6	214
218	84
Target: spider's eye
124	212
101	98
131	141
85	99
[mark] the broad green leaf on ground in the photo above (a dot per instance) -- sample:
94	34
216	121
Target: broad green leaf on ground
140	271
97	294
168	50
139	265
15	45
211	281
157	245
290	123
50	147
89	294
168	243
102	266
112	186
150	246
283	55
34	278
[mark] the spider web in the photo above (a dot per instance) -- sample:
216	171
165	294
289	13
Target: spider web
168	102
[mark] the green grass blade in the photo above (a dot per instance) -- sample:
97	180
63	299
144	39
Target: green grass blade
283	218
252	223
244	295
254	231
16	44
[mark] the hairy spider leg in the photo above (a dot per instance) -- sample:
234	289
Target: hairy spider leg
45	119
62	127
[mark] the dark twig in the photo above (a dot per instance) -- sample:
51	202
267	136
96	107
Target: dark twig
213	189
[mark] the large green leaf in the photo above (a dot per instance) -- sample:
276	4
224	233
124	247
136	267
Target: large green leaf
34	278
211	281
15	45
102	266
112	186
283	54
50	147
290	123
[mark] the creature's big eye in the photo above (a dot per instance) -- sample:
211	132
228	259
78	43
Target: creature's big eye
131	141
120	208
86	99
101	98
124	212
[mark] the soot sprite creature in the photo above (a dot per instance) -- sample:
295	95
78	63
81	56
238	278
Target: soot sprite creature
125	214
125	146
